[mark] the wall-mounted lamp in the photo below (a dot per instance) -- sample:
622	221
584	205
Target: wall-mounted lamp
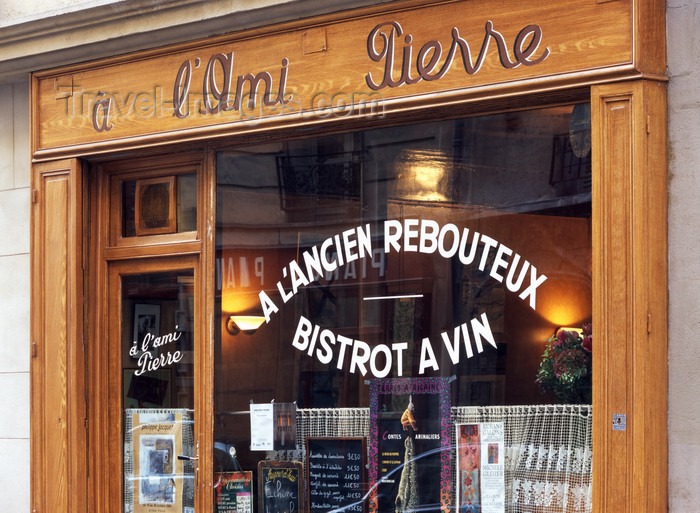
248	324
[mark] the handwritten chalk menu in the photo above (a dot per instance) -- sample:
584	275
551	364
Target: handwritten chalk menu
335	474
234	492
280	487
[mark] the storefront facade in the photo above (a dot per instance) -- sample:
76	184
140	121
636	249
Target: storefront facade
412	199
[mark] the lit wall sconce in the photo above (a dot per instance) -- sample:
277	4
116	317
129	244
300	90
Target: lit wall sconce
248	324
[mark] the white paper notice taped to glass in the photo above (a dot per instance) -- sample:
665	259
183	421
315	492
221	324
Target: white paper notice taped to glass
493	497
261	427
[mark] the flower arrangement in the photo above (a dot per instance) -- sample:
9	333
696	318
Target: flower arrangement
565	369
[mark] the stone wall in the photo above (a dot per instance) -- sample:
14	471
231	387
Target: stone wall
14	296
683	37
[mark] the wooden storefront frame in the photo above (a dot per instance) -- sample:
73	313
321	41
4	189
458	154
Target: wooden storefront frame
59	442
629	265
630	292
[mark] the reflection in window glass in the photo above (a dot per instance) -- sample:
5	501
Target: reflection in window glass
411	280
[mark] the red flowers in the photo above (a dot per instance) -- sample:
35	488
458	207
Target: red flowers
566	367
587	343
569	361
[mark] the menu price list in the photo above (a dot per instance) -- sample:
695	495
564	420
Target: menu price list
336	474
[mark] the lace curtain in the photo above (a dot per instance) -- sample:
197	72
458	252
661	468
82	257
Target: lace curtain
548	450
548	455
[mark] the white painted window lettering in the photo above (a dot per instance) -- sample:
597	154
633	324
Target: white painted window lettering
409	235
147	361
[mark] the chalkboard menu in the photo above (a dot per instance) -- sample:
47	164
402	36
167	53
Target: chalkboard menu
335	474
280	487
234	492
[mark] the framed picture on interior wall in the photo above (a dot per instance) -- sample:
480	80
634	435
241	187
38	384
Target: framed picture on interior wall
151	389
146	321
155	209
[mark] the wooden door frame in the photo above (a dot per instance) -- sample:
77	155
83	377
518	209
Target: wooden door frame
105	454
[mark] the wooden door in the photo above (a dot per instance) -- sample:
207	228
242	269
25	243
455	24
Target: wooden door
152	312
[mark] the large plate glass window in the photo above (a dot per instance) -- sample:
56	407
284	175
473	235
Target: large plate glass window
423	305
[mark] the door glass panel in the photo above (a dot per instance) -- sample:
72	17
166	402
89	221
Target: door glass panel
158	391
411	283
